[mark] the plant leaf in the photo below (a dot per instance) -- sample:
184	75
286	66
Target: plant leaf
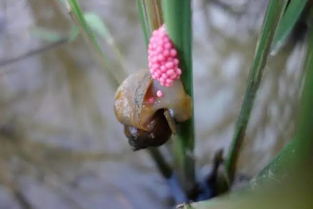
273	14
150	15
177	19
97	25
116	76
287	23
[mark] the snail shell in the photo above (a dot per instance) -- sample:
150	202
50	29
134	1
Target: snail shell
148	123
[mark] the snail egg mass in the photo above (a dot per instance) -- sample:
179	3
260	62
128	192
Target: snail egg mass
162	58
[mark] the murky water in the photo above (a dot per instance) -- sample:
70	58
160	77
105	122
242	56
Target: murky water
61	146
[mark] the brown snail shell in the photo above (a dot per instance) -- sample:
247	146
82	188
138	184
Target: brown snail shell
150	124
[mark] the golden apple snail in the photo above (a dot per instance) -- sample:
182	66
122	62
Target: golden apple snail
148	103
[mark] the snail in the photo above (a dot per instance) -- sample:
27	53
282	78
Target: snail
146	122
149	120
150	102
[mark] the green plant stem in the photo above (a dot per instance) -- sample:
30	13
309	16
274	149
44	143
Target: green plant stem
143	15
78	17
154	14
304	131
287	23
150	14
151	18
98	26
272	16
177	18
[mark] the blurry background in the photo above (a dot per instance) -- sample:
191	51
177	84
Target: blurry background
60	144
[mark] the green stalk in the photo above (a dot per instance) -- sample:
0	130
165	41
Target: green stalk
304	132
272	16
143	15
98	26
287	23
115	77
177	18
151	19
150	14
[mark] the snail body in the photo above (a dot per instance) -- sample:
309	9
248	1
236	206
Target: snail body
148	119
160	132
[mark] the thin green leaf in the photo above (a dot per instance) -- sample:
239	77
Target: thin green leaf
304	131
150	15
177	18
76	11
116	76
272	16
299	149
144	20
297	154
287	23
98	26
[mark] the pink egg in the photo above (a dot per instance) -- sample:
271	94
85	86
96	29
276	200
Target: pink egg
159	93
173	52
169	65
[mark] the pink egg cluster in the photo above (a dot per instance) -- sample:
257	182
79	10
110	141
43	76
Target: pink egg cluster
162	58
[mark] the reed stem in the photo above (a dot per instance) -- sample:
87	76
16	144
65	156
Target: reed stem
177	18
